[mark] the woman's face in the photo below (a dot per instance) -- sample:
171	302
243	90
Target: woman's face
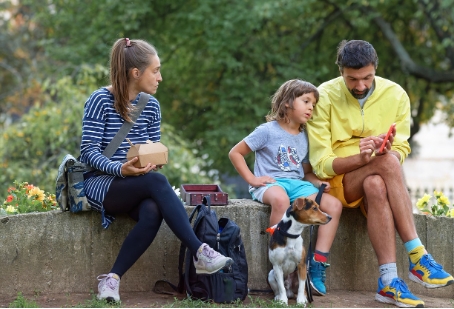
149	80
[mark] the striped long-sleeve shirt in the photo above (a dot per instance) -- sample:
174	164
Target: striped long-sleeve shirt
99	125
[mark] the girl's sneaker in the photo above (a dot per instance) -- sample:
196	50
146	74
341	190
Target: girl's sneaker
108	287
318	276
210	261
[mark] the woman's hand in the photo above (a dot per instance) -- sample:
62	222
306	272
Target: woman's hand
128	168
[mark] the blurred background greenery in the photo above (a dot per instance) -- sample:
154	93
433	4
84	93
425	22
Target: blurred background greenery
221	62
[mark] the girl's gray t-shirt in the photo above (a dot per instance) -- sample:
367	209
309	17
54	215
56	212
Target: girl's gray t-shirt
278	154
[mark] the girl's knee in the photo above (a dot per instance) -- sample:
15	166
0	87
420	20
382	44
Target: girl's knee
280	203
331	205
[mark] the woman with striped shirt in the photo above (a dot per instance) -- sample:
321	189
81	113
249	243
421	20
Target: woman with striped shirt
118	187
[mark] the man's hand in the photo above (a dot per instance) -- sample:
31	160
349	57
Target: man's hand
261	181
128	169
367	147
387	147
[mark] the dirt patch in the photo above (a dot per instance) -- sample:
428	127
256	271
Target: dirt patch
336	299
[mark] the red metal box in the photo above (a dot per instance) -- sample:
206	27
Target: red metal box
193	194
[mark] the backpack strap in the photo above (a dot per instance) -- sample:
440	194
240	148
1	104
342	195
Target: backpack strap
181	260
318	198
206	203
183	277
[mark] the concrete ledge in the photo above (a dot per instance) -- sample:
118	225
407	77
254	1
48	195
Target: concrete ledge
62	252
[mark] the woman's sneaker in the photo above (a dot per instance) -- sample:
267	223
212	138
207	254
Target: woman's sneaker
210	261
108	287
397	293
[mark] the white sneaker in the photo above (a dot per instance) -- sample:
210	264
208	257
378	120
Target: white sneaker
108	287
210	261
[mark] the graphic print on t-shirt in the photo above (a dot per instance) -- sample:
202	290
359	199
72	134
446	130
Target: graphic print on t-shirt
287	158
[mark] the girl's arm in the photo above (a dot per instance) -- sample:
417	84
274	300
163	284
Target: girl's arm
236	156
313	179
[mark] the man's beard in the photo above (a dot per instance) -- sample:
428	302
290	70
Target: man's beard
359	96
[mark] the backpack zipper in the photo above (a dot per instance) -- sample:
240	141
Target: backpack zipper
218	239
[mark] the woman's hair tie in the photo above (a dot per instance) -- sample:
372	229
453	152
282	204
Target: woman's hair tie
128	42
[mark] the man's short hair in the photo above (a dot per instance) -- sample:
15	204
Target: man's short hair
356	54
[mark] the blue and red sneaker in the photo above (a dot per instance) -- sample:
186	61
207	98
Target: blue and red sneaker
318	276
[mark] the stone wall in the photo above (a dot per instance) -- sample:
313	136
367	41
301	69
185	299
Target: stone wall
64	252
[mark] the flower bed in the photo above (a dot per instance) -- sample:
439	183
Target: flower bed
24	197
441	206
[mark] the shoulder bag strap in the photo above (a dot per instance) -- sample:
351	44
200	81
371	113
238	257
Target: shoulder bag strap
126	127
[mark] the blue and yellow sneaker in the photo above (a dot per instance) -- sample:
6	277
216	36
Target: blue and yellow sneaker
318	276
429	273
397	293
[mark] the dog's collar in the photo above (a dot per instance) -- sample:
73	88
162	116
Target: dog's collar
287	212
283	227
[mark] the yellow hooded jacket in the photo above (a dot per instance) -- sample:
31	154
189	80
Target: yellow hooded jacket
338	122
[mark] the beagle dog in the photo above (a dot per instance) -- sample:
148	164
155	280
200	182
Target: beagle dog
286	251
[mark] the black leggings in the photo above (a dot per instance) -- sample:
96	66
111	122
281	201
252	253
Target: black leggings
147	199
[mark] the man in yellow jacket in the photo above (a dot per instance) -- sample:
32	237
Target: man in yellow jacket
348	127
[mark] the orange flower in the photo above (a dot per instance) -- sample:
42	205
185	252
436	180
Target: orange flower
9	198
11	189
28	188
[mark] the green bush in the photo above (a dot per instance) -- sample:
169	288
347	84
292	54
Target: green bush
35	145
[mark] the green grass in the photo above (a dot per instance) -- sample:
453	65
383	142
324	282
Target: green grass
250	302
256	302
22	302
96	303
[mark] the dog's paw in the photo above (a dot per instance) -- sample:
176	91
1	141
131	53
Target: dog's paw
301	300
282	299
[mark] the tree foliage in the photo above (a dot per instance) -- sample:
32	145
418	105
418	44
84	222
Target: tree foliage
35	145
221	60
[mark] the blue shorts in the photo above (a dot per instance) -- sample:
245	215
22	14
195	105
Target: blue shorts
293	187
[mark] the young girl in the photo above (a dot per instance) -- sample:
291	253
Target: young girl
282	171
145	195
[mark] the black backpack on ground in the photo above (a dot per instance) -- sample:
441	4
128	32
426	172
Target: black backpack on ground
226	285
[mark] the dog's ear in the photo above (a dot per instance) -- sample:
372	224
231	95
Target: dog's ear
299	203
303	203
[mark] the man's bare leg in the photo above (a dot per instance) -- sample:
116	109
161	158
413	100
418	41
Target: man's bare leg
388	193
380	221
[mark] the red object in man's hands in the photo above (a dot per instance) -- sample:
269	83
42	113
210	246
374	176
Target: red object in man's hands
387	137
